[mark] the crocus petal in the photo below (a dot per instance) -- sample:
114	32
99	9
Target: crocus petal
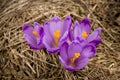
38	28
40	31
67	53
81	63
71	37
49	44
73	48
29	37
53	50
50	29
27	29
67	24
65	29
96	41
77	30
67	67
64	51
31	41
85	25
94	35
89	51
37	47
64	38
48	39
47	30
55	24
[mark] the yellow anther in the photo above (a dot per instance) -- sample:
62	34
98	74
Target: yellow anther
72	60
35	33
56	36
76	56
84	34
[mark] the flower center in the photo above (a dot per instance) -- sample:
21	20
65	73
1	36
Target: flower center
35	33
84	34
76	56
56	36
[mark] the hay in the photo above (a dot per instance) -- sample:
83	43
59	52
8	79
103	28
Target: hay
18	61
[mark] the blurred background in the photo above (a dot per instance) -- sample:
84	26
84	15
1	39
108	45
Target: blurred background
18	61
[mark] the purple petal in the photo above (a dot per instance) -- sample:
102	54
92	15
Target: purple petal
27	29
64	52
73	48
40	31
77	30
66	29
82	43
37	47
70	68
89	51
53	50
49	44
81	63
67	24
94	35
55	24
71	37
38	28
29	37
63	62
85	25
47	30
55	19
48	38
64	38
96	41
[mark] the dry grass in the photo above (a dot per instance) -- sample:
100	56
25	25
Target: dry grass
18	61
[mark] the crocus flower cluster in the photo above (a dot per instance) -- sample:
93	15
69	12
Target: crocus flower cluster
75	44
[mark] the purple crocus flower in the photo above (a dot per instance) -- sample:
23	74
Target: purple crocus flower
73	57
33	36
82	32
56	33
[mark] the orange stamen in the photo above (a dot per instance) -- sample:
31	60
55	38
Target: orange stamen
35	33
76	56
56	36
84	34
